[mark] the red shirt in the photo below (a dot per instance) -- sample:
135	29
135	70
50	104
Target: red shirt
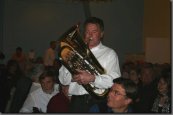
58	104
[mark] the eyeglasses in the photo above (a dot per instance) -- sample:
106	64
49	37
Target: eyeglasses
117	92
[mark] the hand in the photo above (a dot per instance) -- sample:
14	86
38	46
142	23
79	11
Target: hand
83	77
36	110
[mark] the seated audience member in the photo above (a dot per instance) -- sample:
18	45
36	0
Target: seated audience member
38	99
50	54
35	72
60	102
55	68
31	55
162	103
20	57
134	75
147	89
13	75
22	89
125	69
122	94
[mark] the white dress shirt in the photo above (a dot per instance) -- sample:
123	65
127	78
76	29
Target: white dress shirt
108	58
38	99
34	86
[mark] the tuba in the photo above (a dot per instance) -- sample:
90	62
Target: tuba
75	54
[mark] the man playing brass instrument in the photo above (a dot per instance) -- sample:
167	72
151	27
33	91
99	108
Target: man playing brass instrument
107	57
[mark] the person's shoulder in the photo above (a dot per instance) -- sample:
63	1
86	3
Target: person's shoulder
109	50
48	50
54	98
38	91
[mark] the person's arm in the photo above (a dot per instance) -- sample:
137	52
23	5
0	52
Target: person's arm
28	105
45	58
64	76
52	55
112	71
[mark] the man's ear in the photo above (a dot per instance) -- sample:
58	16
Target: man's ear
128	101
102	34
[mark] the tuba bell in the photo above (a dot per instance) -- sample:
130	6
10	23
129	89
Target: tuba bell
74	54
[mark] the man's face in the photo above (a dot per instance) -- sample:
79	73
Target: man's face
146	76
117	99
92	35
47	84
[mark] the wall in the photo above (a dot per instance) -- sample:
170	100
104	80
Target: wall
158	50
1	24
31	24
157	18
157	31
123	25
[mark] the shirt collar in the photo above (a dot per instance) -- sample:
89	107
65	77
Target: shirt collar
97	47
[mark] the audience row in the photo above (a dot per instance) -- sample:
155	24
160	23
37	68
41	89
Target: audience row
28	85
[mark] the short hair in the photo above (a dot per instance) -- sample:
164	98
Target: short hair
47	73
131	89
95	20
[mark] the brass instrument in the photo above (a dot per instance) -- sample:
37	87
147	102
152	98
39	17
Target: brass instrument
75	54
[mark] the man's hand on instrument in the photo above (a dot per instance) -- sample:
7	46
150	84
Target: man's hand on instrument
83	77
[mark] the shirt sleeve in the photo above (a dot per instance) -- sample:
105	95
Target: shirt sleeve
28	105
112	71
64	76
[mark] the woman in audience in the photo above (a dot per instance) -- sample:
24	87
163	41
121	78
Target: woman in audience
162	103
147	89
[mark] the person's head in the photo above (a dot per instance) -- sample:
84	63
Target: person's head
2	56
126	68
147	74
93	31
164	85
134	74
13	67
53	44
47	81
19	51
123	92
